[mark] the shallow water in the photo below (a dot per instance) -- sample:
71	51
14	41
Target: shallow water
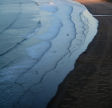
40	41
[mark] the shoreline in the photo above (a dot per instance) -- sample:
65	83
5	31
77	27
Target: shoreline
90	84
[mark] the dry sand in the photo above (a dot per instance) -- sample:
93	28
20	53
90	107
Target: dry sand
90	84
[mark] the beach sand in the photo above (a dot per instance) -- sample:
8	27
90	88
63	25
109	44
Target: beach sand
89	85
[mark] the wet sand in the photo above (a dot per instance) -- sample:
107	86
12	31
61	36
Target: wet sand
89	85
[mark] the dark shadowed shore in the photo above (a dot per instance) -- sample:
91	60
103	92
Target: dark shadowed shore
89	85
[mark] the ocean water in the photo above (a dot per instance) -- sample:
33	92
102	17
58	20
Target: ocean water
40	41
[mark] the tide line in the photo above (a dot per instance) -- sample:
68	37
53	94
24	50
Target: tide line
103	15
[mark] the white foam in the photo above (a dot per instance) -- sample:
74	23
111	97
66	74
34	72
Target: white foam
49	8
37	50
49	61
52	30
